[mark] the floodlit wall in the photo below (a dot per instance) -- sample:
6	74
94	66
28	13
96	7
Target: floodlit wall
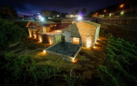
87	33
47	29
40	38
96	34
44	29
30	33
51	39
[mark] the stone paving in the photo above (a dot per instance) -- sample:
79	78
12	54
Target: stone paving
65	48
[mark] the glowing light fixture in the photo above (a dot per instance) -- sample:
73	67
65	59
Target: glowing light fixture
122	5
122	12
35	36
79	18
44	51
73	60
42	19
30	35
50	41
40	39
94	47
88	44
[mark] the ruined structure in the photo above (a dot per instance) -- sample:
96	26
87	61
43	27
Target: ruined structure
66	42
83	33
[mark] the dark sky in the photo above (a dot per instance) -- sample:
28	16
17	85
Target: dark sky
29	7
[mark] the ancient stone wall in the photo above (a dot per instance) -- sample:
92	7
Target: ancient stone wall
119	21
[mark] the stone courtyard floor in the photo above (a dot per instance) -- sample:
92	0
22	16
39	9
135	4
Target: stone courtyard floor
65	48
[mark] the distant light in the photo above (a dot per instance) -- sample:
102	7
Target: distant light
79	18
40	16
40	39
88	43
38	13
71	15
30	35
42	19
122	13
110	14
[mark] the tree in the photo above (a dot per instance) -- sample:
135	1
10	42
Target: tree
9	33
91	13
76	12
84	10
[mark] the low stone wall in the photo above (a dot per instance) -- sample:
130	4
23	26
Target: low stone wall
119	21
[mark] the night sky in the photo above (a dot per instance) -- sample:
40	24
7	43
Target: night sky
29	7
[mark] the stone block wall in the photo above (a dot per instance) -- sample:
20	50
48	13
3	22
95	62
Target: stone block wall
120	21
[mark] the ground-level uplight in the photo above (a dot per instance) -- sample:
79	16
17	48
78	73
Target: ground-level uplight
40	40
44	51
73	60
30	35
88	44
35	36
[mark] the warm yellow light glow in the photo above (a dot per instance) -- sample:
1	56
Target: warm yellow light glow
44	51
71	15
75	40
30	35
58	31
122	5
88	43
40	39
50	41
35	36
94	47
73	60
105	10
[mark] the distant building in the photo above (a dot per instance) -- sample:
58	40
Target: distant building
64	15
56	14
53	14
7	12
126	6
71	16
46	13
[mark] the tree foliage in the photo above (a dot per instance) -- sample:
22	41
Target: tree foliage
84	10
9	33
23	69
76	12
119	69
